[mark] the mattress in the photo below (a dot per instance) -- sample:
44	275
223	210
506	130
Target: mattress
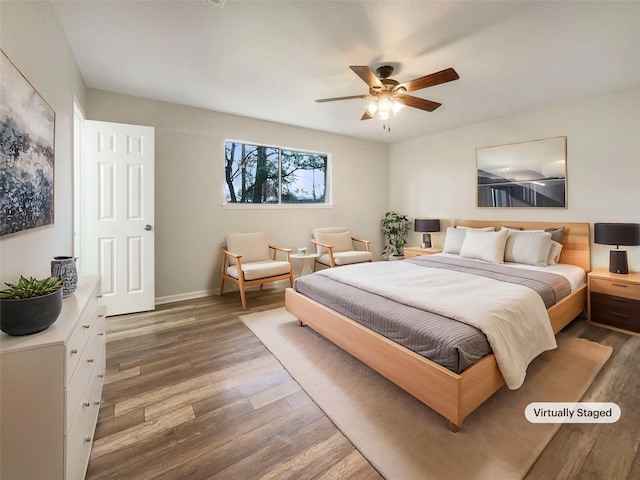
453	344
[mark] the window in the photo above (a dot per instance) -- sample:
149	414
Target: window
272	175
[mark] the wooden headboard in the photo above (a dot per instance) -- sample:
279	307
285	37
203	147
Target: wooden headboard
576	239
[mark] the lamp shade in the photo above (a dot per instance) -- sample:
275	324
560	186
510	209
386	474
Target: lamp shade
617	234
426	225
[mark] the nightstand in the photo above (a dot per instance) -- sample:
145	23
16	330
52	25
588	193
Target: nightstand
614	300
410	252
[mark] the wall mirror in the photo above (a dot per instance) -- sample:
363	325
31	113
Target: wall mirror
526	174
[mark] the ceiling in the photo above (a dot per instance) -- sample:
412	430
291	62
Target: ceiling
271	59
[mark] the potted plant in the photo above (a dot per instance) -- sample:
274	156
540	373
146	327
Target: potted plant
30	305
396	228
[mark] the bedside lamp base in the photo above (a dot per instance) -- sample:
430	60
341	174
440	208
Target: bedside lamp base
618	261
426	240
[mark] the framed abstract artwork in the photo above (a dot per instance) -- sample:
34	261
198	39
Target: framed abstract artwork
27	153
525	174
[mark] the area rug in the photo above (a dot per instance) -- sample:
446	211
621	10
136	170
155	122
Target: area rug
404	439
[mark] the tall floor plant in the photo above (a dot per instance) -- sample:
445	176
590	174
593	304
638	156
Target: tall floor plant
396	228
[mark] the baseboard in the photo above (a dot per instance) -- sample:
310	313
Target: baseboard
180	297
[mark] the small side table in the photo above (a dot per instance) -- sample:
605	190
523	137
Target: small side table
410	252
307	262
614	300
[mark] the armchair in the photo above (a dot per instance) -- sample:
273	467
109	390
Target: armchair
248	260
335	246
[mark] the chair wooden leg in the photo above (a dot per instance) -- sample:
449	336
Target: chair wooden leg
242	293
243	298
222	272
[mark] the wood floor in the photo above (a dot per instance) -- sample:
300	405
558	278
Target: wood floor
191	393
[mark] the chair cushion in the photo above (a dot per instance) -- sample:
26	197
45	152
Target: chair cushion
341	242
346	258
254	247
264	269
328	230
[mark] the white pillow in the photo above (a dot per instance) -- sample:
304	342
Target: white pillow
482	245
453	240
482	229
455	236
341	242
554	253
556	232
528	247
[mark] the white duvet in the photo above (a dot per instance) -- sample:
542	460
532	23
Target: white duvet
513	317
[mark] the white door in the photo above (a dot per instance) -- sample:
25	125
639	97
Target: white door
119	214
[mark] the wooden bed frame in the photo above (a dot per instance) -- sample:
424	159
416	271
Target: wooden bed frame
452	395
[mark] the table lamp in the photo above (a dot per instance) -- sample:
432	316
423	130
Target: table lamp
617	234
427	226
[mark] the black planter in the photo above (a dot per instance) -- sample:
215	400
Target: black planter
29	315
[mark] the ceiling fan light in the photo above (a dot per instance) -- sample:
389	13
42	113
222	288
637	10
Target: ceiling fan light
385	105
386	92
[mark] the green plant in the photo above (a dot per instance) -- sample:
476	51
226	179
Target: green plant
29	288
396	228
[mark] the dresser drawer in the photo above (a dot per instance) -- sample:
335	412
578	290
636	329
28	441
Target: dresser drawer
85	371
80	335
616	319
78	442
615	288
615	304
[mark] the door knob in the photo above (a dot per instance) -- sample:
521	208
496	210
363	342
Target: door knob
147	227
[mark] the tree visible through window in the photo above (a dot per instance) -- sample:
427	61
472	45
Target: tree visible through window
271	175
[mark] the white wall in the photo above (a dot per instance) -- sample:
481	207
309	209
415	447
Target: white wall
32	38
431	176
435	176
190	221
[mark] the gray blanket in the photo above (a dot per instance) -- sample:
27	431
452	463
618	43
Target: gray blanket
448	342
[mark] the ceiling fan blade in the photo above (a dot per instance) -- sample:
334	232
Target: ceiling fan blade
416	102
341	98
366	74
437	78
366	116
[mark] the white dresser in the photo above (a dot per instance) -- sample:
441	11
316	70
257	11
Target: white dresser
51	384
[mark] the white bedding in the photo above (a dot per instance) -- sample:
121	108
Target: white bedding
574	274
513	317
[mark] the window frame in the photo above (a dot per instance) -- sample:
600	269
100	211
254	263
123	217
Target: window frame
328	203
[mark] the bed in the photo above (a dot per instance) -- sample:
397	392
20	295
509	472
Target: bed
453	395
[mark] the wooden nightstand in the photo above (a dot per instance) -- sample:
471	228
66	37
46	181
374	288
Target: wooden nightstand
410	252
614	300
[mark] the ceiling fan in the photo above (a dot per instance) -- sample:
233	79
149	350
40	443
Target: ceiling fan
390	95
